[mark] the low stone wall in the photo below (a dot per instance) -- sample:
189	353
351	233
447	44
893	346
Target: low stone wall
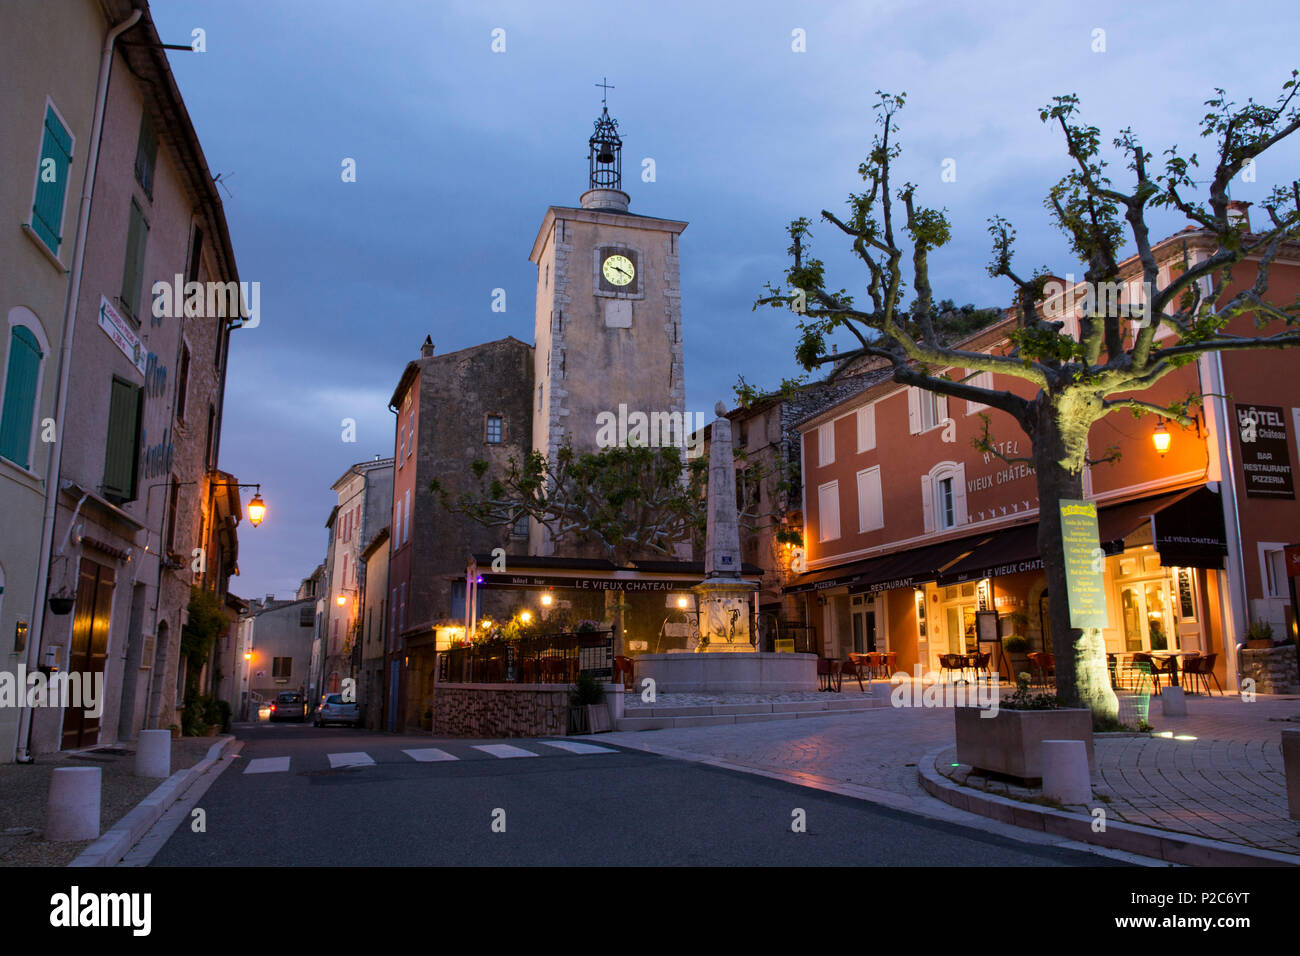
1273	669
500	710
723	672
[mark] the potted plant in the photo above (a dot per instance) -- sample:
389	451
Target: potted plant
1017	648
1259	635
588	713
1008	739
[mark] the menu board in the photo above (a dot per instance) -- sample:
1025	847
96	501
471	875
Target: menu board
1084	564
1265	445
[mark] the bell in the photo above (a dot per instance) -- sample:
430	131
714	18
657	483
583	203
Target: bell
604	156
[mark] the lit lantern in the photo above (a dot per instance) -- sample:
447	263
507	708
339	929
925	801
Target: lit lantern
256	510
546	600
1161	438
340	600
525	616
682	602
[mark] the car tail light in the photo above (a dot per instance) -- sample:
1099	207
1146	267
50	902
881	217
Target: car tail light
273	708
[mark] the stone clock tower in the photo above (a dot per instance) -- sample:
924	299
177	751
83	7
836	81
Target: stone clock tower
609	310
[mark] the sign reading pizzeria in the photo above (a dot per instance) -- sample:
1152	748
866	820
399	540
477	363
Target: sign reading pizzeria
1265	444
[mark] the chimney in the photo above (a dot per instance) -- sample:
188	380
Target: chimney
269	599
426	350
1239	213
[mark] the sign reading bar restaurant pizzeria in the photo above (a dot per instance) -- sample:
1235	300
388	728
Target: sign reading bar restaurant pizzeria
1265	451
119	330
1084	564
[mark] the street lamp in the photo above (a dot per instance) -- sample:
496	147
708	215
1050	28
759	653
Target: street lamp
1161	438
256	509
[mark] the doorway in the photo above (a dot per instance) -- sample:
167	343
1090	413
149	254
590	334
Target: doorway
88	650
955	622
867	634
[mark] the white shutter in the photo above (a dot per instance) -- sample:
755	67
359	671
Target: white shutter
913	411
940	409
959	494
866	428
927	503
982	380
397	525
871	514
828	510
406	518
826	444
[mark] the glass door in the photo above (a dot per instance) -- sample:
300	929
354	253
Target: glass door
1148	618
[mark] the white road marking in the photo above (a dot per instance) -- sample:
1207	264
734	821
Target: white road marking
504	750
356	759
429	754
577	747
267	765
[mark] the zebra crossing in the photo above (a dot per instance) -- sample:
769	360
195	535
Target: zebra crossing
500	751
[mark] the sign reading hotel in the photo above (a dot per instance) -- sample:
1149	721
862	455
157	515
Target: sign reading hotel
1265	451
1084	581
123	336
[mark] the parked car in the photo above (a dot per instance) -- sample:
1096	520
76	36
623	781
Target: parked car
333	710
289	705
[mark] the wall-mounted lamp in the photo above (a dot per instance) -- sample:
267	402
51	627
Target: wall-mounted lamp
1161	438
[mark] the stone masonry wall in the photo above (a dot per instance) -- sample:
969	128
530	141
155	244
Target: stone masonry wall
500	710
1272	669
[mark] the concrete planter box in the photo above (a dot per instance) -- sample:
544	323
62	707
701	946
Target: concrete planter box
722	672
1011	743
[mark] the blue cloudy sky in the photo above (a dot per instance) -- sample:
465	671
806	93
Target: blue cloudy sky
459	150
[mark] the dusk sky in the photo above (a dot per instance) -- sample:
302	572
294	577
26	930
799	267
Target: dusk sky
459	150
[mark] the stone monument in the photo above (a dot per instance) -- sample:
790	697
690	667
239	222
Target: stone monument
724	599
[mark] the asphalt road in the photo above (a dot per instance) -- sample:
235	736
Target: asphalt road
534	803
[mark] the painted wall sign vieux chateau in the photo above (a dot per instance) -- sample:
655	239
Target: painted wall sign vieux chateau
1017	471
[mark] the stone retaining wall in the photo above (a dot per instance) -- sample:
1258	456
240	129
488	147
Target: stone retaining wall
500	710
1273	669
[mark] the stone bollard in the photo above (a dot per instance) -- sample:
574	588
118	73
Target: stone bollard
153	754
1173	702
1291	766
1065	771
72	812
614	695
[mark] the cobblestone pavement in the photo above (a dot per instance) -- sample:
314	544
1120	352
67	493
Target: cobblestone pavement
1225	784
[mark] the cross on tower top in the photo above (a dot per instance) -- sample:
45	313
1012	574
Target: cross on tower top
607	87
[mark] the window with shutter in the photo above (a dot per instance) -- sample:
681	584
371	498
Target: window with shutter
871	510
866	428
826	444
52	182
182	384
146	153
137	233
828	511
122	451
979	380
22	378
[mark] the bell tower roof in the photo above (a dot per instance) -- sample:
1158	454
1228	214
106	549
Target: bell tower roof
605	162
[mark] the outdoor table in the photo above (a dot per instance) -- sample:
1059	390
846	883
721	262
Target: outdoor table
828	675
1173	657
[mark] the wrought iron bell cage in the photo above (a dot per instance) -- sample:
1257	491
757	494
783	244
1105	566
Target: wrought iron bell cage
605	159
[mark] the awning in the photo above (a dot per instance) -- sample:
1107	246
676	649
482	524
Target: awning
1186	528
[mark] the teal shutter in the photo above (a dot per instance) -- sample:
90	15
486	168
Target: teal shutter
20	396
133	271
146	152
120	455
47	213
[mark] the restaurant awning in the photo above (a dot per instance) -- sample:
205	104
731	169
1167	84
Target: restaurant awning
1185	526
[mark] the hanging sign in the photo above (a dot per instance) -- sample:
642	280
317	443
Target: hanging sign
1084	564
1265	451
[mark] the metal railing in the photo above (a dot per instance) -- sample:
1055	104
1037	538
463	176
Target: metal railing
553	659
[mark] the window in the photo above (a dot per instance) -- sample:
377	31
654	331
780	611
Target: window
494	429
192	273
978	380
828	511
410	435
172	502
520	527
866	420
281	668
52	181
402	615
146	152
1275	583
401	443
458	599
22	382
871	511
182	384
123	447
406	518
306	616
137	235
539	397
826	444
397	525
943	496
210	443
925	410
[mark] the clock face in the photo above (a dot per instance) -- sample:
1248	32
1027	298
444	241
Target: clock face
618	270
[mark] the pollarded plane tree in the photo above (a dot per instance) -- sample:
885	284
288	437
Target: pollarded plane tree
1082	372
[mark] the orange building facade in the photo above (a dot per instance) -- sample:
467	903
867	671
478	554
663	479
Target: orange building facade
909	531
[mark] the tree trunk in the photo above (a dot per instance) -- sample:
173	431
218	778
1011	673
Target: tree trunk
1082	677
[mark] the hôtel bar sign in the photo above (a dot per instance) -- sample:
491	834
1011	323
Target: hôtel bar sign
1265	451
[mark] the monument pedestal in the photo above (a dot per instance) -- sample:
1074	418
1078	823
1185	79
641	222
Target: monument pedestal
725	606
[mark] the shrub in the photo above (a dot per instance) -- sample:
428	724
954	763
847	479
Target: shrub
586	691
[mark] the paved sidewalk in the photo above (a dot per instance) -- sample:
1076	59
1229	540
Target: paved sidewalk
1226	784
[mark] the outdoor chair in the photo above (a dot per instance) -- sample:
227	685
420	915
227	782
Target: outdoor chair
1043	667
891	662
952	662
623	668
1142	672
854	666
875	663
1202	669
982	664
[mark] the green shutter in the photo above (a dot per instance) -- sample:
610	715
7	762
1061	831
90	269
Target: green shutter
47	213
121	453
146	152
20	396
137	233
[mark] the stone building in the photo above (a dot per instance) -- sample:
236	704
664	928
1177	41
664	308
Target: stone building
374	632
139	512
280	642
451	409
365	496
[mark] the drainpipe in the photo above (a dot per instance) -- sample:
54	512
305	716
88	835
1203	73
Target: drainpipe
23	754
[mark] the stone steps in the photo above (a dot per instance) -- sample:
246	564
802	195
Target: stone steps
661	718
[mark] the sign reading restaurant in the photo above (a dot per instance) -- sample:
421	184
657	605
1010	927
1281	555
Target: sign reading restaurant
1265	451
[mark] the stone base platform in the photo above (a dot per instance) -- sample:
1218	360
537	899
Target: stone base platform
727	673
